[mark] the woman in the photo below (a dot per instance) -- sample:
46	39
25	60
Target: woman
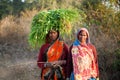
53	58
84	57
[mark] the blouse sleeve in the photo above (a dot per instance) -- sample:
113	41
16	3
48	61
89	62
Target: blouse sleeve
96	59
69	63
40	58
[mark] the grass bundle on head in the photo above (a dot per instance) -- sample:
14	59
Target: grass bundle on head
60	19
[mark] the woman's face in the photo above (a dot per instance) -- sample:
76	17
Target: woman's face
53	35
82	36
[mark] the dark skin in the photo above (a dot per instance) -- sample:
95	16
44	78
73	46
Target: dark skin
53	35
82	37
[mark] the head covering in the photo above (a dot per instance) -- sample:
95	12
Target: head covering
47	38
44	21
84	29
77	42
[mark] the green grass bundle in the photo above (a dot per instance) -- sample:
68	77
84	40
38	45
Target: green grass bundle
60	19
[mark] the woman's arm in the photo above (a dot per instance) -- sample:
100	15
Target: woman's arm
69	63
96	59
41	56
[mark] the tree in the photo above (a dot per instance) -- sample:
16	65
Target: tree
5	8
18	6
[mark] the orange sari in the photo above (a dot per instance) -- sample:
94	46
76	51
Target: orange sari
53	54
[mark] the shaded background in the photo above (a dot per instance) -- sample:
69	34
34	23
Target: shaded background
18	60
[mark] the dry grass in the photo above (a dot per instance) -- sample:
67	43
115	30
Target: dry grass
14	49
14	28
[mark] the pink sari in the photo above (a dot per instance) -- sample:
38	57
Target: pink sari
84	61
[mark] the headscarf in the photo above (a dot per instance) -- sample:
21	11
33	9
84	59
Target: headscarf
77	42
47	39
84	29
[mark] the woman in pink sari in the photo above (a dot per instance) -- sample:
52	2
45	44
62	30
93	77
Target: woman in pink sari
84	57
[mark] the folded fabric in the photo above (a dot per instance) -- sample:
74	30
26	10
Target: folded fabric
92	78
72	76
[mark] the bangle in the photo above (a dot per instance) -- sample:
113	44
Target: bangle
44	65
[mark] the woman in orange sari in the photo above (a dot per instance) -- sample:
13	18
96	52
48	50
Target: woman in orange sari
84	57
53	58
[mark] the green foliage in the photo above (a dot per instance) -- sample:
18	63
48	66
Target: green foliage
18	6
14	7
60	19
90	4
99	13
5	8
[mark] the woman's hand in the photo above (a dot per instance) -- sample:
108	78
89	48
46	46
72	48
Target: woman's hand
60	62
52	64
97	78
55	63
48	65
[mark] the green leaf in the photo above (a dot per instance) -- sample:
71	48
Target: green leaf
60	19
